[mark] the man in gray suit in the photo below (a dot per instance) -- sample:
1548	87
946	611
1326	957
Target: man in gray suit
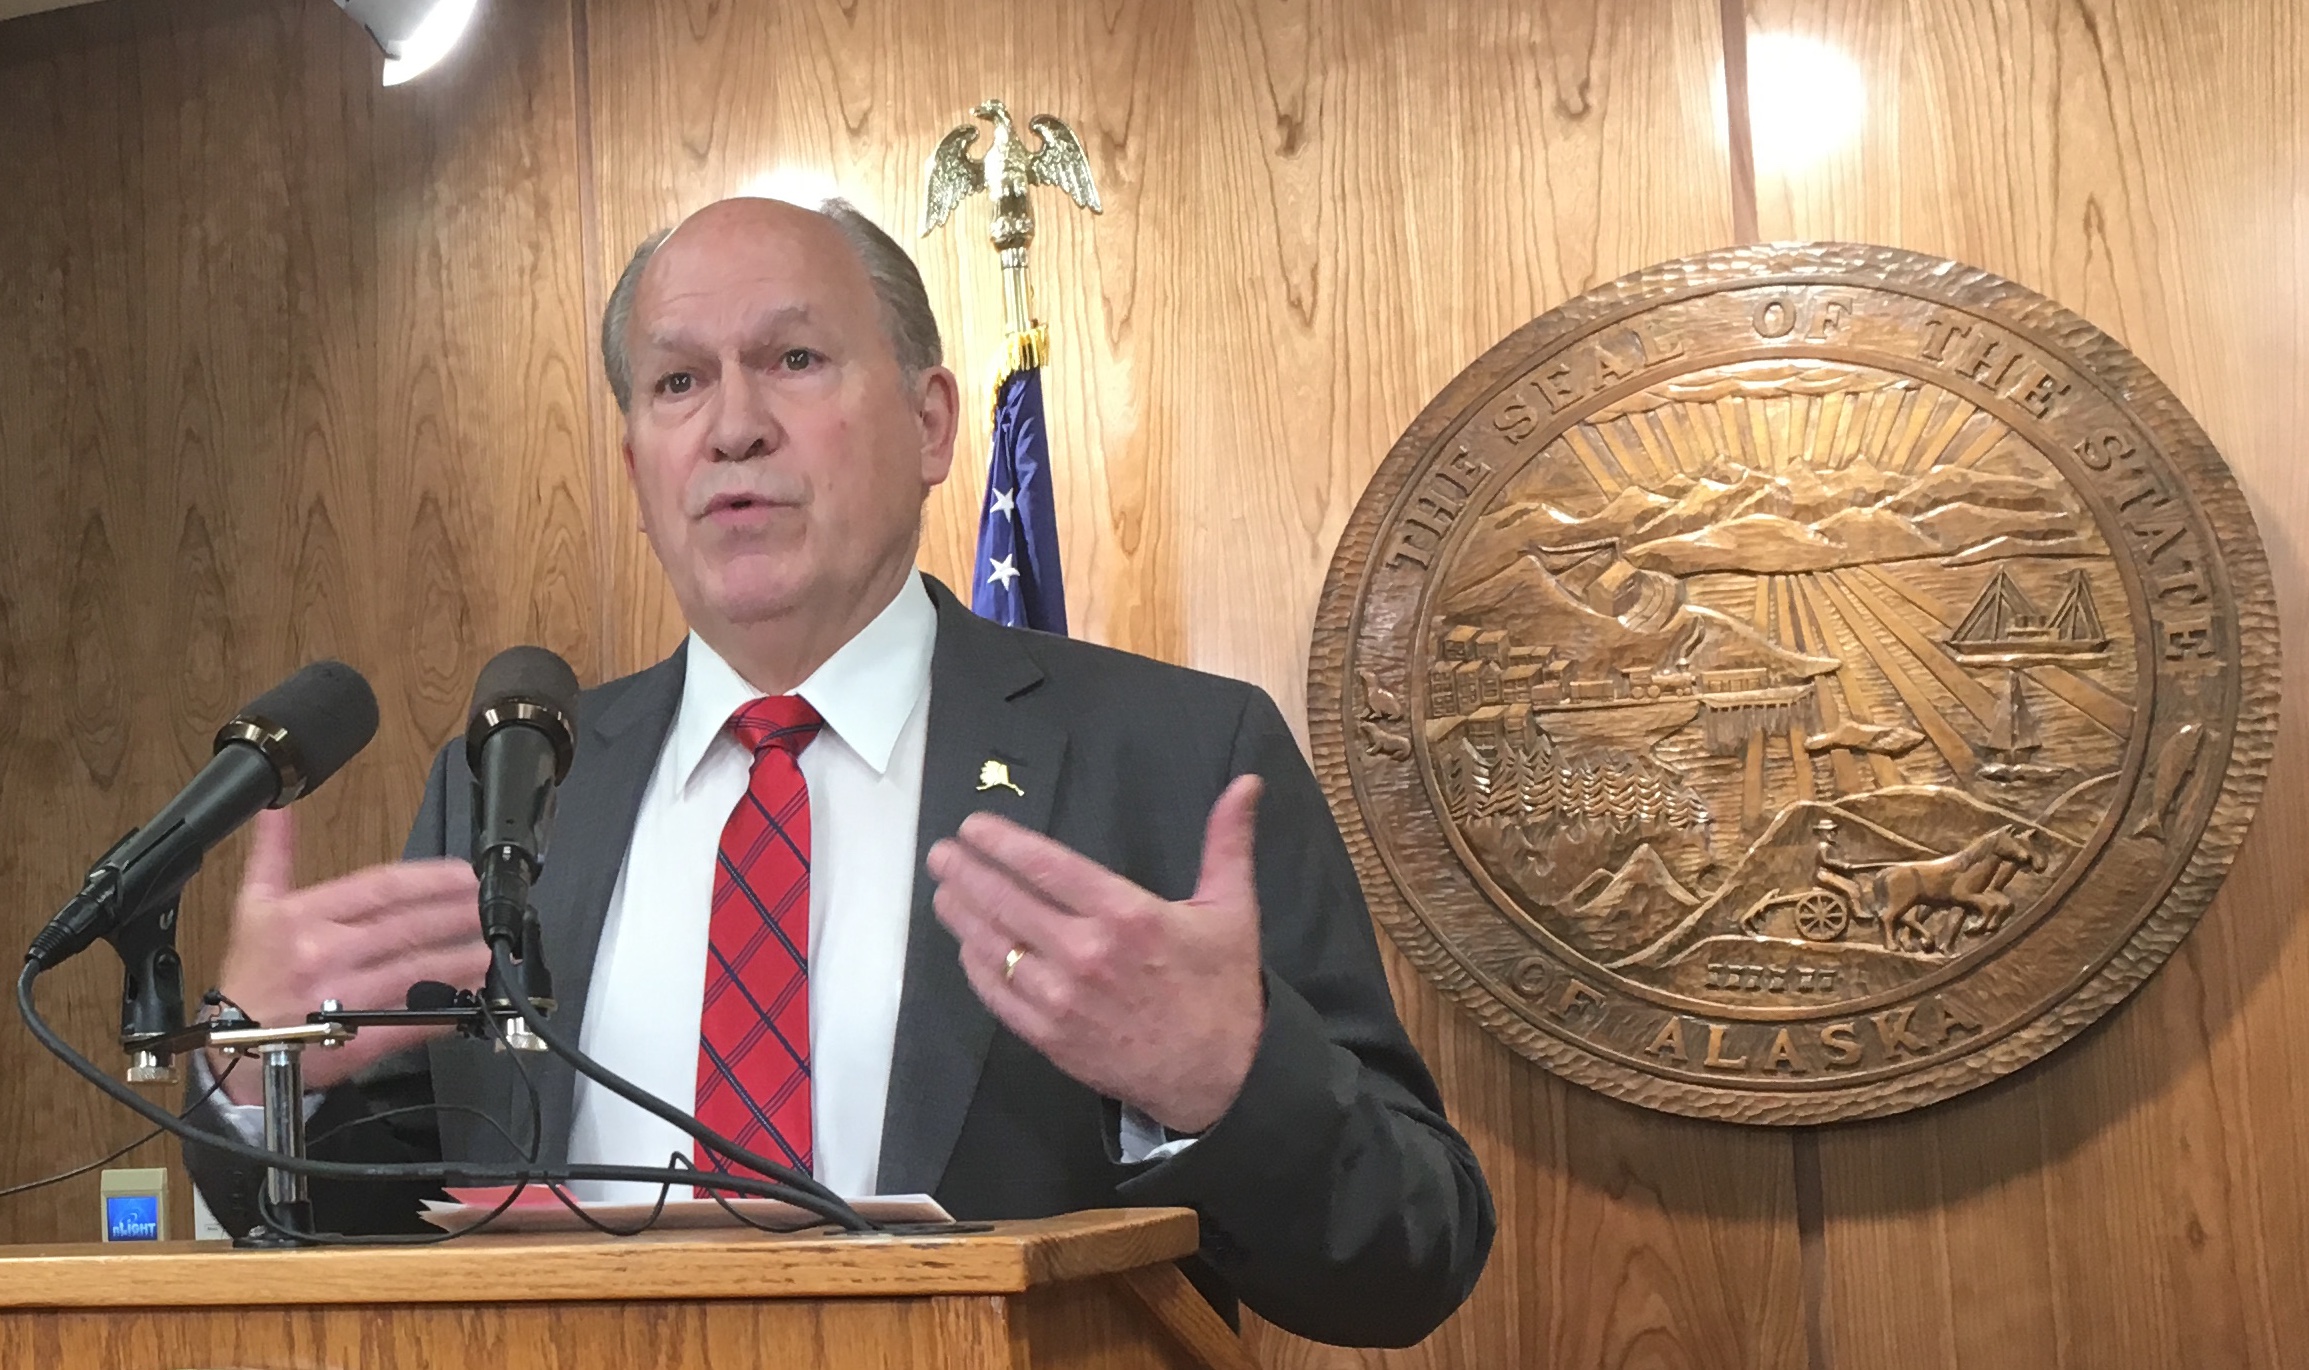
1079	930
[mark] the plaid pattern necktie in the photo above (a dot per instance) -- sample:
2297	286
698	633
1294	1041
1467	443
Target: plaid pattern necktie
754	1036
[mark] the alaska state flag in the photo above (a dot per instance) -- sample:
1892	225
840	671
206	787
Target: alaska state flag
1016	579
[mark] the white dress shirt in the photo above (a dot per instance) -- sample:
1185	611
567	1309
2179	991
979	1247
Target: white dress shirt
864	772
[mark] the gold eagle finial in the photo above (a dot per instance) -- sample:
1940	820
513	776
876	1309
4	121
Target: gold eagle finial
1006	172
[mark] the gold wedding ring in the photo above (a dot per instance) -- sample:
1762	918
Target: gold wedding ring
1010	962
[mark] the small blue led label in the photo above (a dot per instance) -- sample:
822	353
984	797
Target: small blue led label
131	1218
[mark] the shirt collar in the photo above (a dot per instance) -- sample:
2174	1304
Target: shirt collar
865	691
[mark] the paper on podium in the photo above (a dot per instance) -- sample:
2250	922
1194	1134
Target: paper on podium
537	1210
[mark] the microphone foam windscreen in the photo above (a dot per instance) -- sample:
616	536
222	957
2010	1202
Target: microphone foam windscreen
430	996
529	675
329	713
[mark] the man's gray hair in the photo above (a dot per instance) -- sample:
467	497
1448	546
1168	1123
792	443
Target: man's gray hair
906	316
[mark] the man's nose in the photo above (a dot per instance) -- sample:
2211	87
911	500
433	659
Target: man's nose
745	424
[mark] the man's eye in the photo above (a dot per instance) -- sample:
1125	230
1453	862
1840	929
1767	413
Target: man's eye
799	359
676	384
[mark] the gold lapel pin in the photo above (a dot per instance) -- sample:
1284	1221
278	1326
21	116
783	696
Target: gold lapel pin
995	775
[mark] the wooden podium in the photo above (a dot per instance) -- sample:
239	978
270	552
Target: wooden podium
1089	1289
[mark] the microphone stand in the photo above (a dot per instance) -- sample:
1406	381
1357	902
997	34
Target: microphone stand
153	1032
810	1199
281	1051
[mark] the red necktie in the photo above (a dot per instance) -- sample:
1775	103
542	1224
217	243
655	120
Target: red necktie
754	1036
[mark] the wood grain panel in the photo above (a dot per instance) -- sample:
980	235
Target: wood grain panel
531	1267
72	429
1172	1303
1088	1325
1099	1325
1041	1293
588	1335
300	373
1385	191
2134	1200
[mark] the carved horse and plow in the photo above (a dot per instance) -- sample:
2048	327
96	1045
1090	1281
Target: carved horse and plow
1918	907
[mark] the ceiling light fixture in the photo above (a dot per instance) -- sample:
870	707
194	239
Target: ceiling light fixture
413	33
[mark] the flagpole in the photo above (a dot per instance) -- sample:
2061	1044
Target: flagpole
1015	579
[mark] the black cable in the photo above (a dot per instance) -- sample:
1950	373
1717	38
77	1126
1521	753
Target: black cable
657	1210
278	1222
509	977
439	1172
404	1110
77	1171
681	1162
273	1219
676	1161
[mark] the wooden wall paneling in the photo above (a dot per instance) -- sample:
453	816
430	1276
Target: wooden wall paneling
489	485
1626	1238
310	380
69	419
1386	191
255	287
192	339
2133	1200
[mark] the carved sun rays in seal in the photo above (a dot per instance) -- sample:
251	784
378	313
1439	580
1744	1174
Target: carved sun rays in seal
1768	415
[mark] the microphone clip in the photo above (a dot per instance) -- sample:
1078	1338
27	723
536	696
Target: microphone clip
152	1024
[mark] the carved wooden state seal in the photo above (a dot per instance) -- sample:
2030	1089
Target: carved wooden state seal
1796	683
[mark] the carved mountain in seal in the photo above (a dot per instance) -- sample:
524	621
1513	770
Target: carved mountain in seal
1627	908
1541	607
1736	519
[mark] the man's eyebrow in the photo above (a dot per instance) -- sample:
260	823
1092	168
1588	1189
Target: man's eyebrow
679	341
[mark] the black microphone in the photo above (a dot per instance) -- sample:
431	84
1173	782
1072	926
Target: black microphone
519	745
283	746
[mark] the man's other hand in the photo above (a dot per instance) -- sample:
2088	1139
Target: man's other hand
361	939
1156	1004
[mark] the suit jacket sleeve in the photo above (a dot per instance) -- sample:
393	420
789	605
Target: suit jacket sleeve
381	1116
1335	1198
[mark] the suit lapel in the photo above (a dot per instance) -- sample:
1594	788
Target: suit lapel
617	749
978	674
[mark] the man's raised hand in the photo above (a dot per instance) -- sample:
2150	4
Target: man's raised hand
1154	1003
361	939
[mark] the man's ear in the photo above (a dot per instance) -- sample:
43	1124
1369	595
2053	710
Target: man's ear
938	408
633	483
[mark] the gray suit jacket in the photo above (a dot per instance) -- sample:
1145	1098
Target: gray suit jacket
1335	1199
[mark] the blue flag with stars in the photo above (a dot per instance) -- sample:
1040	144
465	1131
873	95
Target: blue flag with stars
1016	580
